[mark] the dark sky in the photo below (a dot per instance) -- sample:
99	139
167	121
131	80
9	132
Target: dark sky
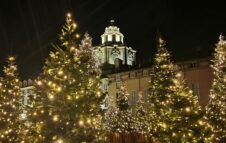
191	28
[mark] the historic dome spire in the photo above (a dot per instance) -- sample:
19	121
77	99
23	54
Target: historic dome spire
112	34
112	51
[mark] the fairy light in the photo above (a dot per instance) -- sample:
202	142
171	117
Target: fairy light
39	83
55	118
81	123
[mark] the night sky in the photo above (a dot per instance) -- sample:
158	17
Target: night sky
191	28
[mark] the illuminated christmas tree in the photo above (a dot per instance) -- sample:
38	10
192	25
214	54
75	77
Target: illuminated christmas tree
139	115
67	108
216	109
174	112
11	125
119	119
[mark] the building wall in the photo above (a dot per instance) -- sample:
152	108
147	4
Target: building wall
202	77
198	78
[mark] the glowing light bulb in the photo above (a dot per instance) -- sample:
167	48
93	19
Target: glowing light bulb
98	93
59	141
88	121
69	97
55	118
77	35
74	25
69	15
60	72
187	109
11	58
59	89
39	82
51	97
81	123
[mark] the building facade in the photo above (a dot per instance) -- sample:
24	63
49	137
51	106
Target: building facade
197	73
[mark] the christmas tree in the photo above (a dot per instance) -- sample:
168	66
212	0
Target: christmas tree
11	125
139	115
67	108
119	119
216	109
174	112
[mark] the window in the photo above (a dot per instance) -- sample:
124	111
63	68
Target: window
133	97
103	40
132	74
193	65
117	77
145	72
117	38
105	87
109	37
182	66
113	38
145	94
195	89
118	84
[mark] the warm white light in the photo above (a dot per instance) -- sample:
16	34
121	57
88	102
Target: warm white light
55	118
69	15
187	109
81	123
11	58
59	141
60	72
59	89
39	83
74	25
77	35
51	97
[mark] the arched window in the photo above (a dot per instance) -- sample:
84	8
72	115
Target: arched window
115	54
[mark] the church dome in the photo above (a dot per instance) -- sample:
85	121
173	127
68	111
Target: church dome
112	34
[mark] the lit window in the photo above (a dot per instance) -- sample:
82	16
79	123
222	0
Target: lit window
109	37
117	38
195	89
103	40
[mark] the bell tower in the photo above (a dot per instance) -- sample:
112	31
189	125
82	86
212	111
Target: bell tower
112	52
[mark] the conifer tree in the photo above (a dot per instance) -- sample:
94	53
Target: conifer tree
174	113
139	115
11	125
215	116
119	120
67	108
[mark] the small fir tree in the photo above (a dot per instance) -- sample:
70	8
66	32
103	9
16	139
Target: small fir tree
119	119
11	125
215	116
